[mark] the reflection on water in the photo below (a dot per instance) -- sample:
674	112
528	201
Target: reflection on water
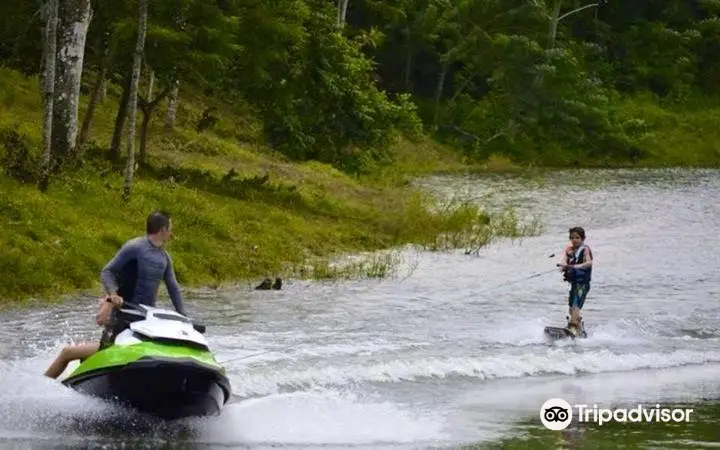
442	357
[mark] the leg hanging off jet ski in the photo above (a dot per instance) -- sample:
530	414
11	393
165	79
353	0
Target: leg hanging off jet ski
83	351
68	354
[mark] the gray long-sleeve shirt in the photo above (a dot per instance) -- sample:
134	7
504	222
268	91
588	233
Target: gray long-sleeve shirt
141	266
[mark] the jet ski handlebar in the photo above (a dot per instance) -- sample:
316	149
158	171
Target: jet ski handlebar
128	311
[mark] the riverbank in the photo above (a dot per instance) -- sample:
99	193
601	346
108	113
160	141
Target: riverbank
243	212
240	211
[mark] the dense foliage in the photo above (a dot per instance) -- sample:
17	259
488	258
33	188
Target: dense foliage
334	81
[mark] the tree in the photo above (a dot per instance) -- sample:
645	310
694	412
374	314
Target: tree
555	17
50	15
132	96
73	21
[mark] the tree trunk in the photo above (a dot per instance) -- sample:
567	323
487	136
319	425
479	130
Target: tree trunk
147	108
439	91
120	123
151	84
554	19
147	114
172	106
132	100
94	101
50	13
342	12
73	21
144	131
408	61
462	87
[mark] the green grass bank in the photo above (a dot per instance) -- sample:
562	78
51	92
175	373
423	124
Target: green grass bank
271	217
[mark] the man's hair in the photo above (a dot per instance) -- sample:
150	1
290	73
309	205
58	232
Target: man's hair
156	221
579	231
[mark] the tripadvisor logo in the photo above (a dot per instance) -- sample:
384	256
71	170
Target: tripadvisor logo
556	414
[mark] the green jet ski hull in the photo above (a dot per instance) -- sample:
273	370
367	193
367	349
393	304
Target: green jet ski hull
168	378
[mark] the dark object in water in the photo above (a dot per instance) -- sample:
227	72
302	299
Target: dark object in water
266	285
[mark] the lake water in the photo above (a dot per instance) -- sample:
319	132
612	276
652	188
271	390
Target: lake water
450	353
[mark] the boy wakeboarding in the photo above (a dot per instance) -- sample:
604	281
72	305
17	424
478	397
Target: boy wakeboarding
576	267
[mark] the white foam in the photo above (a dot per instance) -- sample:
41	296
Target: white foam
29	400
35	407
319	417
551	361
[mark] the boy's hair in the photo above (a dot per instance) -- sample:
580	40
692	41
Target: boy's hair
579	231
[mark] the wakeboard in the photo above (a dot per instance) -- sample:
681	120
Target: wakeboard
556	333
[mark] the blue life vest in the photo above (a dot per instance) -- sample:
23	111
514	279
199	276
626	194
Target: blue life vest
581	276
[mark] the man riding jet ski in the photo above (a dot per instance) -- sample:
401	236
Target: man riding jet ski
155	360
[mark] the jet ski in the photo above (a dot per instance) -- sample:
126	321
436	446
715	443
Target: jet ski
159	363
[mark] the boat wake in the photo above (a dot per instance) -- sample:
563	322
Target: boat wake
549	362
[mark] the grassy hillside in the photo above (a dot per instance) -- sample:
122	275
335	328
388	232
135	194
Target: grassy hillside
686	134
272	218
243	212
